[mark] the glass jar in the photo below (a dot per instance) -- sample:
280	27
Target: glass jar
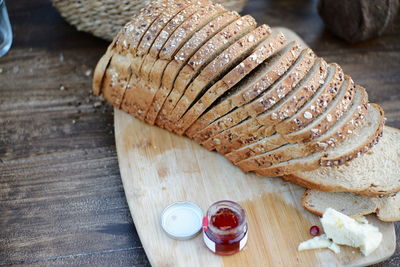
225	228
5	30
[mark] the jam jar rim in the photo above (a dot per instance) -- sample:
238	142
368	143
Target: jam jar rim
242	218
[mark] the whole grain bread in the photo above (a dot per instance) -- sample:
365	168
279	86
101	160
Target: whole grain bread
217	68
259	55
387	208
356	144
250	130
139	95
214	121
326	93
164	71
201	59
350	121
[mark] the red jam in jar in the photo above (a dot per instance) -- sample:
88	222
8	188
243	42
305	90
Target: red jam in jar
225	228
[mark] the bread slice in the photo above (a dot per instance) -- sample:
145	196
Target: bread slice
102	65
213	120
164	71
355	145
260	53
348	123
317	105
387	207
201	59
250	130
116	78
216	69
138	96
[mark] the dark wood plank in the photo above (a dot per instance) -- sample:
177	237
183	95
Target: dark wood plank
62	198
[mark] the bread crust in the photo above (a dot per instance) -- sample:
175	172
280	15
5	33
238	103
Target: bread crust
226	114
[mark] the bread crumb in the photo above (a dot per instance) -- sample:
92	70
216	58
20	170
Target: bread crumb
97	104
88	72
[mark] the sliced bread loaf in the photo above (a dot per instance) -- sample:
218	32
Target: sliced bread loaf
213	120
356	144
387	207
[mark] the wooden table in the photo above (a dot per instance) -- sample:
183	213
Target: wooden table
62	201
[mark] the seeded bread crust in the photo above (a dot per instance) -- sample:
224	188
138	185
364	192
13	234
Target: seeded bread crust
317	105
387	207
261	53
329	117
141	92
200	59
291	151
323	159
304	91
170	69
251	130
228	59
225	114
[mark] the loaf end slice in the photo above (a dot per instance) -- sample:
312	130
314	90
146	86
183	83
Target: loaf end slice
387	208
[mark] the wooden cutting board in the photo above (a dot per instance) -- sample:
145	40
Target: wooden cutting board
158	168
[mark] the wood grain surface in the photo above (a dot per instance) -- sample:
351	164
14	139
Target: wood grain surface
62	201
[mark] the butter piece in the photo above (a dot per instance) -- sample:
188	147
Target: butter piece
344	230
